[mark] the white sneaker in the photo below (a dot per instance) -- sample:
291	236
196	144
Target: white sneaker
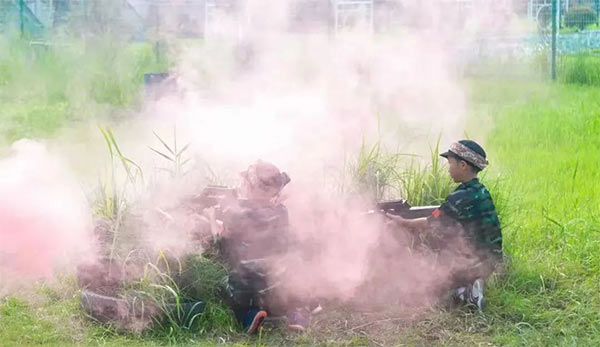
476	297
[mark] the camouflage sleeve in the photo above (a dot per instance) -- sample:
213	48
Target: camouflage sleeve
458	207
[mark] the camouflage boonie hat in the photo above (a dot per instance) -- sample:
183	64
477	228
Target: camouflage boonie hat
266	176
468	151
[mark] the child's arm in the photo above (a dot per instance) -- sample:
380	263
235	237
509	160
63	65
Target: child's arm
417	223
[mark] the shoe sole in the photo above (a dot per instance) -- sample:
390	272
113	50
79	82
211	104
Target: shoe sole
257	321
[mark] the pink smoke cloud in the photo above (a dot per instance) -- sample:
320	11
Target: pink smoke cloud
44	217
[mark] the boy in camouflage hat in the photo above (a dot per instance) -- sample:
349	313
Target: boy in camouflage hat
471	207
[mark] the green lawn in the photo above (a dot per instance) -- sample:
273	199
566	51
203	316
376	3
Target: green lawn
542	139
545	145
43	86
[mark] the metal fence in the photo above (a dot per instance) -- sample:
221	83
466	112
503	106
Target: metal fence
563	28
567	28
564	31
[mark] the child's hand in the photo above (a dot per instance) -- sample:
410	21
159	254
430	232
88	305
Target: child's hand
397	220
216	226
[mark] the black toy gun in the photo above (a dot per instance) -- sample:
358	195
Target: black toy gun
403	209
213	196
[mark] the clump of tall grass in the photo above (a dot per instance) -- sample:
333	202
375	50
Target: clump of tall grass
580	69
380	175
181	296
425	183
111	202
205	277
178	297
373	171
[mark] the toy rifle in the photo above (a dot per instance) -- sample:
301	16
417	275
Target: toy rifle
403	209
213	196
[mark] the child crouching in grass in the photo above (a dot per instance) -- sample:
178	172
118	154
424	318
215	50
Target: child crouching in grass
471	208
253	237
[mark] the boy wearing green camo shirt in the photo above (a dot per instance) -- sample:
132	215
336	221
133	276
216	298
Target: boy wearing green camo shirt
471	207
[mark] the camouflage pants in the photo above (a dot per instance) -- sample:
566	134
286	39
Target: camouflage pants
462	260
479	266
247	290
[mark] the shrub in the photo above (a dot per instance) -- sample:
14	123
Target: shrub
580	16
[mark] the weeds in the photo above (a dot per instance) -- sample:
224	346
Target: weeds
174	155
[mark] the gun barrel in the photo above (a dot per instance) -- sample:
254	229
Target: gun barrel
402	208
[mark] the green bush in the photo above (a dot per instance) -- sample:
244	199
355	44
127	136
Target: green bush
581	17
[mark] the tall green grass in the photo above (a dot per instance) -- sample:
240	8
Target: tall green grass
544	147
43	84
580	69
380	174
547	149
176	288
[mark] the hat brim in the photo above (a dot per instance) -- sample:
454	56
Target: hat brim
454	155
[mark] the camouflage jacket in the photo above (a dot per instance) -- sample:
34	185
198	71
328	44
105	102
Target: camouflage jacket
471	205
254	233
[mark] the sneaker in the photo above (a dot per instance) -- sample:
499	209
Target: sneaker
253	320
460	295
476	298
298	320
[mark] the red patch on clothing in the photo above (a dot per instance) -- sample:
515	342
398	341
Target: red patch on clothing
436	213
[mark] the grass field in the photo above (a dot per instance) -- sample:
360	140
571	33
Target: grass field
544	143
545	140
44	86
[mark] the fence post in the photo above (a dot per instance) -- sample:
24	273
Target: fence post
554	34
22	24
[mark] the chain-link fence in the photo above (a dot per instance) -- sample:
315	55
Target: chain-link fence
134	18
565	32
